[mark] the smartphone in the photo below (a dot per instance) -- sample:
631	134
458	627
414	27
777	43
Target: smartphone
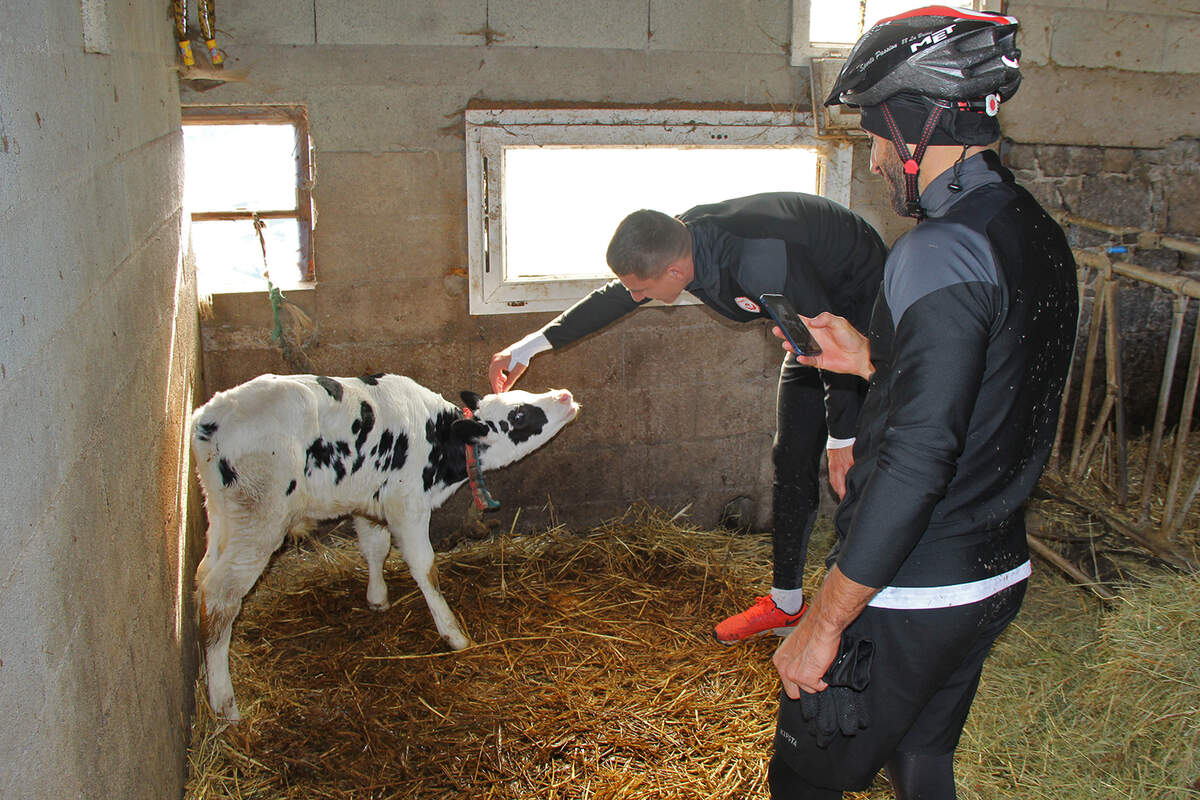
790	323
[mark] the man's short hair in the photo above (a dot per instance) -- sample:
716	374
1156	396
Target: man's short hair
646	243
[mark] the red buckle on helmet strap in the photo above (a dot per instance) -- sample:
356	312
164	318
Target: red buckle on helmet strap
911	167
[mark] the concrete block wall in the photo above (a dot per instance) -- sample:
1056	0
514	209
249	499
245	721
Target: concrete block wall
678	405
1106	125
99	347
385	85
1109	73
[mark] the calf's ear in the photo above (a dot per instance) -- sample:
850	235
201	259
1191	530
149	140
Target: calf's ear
471	400
469	431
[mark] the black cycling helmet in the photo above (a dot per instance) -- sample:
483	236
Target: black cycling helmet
935	51
950	61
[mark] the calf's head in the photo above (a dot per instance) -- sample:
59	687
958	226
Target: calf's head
507	426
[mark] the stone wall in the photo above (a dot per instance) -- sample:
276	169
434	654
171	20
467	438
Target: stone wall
1153	189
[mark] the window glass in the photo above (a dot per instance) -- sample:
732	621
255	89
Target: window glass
229	256
562	204
243	167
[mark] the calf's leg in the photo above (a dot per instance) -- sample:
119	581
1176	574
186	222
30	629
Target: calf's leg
374	542
222	581
410	533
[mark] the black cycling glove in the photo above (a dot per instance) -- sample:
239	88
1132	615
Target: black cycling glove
841	707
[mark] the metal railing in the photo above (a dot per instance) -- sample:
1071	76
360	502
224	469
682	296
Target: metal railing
1099	439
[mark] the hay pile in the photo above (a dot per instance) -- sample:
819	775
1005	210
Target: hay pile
1085	701
595	677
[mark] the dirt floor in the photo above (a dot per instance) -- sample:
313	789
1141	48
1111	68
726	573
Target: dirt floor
594	675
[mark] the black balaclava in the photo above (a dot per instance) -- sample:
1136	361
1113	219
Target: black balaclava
913	118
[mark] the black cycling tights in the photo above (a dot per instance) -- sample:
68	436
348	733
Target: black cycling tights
916	776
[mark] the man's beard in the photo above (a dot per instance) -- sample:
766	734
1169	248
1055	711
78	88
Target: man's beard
893	173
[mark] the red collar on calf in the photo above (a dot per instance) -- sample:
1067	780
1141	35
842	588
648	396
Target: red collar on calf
479	492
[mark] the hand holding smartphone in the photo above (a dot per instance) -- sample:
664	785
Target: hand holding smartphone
789	322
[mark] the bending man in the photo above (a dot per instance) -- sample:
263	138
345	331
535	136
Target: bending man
817	253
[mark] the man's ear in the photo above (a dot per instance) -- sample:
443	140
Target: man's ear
471	400
469	431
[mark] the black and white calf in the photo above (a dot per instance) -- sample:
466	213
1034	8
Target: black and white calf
281	452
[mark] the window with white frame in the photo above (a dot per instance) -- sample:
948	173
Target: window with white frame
546	188
247	187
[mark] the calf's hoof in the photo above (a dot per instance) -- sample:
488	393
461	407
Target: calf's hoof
226	710
458	641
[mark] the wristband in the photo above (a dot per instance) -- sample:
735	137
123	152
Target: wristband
521	352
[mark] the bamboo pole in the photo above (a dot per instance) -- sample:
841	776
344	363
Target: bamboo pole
1112	355
1089	360
1164	397
1181	515
1081	577
1172	283
1146	240
1055	450
1154	543
1097	432
1182	430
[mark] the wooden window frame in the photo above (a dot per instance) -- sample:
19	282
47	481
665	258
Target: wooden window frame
303	212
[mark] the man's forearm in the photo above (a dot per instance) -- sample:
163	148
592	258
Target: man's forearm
839	601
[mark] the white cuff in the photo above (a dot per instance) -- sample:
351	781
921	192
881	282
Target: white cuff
838	444
527	348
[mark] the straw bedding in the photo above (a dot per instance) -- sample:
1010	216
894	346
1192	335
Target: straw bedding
594	676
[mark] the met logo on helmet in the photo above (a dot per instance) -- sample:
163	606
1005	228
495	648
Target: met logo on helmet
932	38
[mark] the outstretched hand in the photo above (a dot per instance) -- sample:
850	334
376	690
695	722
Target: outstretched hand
843	349
500	375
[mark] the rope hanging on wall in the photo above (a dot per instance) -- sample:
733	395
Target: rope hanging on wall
301	331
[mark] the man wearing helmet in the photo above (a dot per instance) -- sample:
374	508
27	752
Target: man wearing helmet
967	354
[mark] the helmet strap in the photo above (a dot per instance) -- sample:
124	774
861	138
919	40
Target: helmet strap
954	185
911	162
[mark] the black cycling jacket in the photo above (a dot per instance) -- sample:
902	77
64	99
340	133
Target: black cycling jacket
819	254
971	339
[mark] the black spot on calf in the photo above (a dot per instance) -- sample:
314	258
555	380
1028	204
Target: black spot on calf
527	421
371	380
447	455
391	452
228	473
330	385
361	427
291	488
205	431
326	455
